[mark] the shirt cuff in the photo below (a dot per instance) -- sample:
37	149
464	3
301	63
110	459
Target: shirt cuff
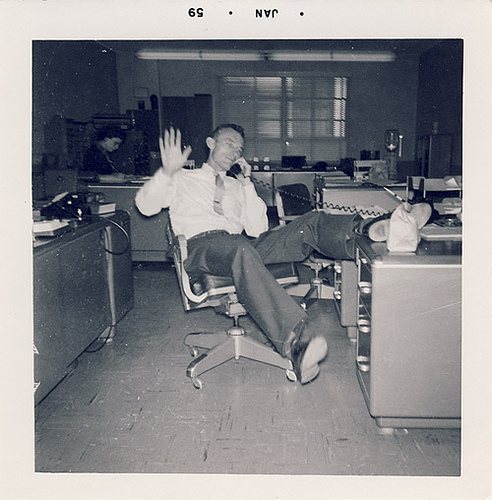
248	185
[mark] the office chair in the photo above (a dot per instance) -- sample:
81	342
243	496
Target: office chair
292	201
219	292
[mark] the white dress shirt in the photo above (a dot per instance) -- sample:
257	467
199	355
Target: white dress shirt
189	195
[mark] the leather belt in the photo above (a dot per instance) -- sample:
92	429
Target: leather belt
207	233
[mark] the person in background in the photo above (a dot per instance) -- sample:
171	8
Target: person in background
97	158
213	210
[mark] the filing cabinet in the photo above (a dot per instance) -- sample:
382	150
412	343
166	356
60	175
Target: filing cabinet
434	153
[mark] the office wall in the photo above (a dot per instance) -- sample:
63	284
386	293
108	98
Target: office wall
79	79
440	95
73	80
381	95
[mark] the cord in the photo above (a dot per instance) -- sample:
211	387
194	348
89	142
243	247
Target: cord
105	341
123	230
347	209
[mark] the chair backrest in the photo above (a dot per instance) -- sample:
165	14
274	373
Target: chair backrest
192	298
292	200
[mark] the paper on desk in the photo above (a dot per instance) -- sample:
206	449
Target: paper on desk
435	232
447	183
454	181
48	226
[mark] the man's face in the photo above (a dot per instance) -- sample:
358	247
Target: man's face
225	150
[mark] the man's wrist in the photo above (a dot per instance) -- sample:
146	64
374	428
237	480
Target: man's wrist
245	179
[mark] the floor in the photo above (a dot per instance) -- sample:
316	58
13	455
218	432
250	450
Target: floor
129	407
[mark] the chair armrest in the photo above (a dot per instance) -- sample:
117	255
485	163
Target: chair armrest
183	247
179	247
287	218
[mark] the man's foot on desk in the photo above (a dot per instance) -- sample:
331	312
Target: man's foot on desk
378	229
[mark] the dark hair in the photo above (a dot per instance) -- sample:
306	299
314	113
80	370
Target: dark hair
224	126
110	131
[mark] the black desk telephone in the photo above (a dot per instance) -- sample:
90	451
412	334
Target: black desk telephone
67	206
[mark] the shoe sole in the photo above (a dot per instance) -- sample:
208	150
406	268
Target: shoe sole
316	351
379	230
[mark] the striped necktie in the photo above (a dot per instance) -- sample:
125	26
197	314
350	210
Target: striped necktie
219	194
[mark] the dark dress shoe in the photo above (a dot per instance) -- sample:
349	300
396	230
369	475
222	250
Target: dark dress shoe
305	355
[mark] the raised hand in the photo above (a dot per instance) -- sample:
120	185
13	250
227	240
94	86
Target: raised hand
173	157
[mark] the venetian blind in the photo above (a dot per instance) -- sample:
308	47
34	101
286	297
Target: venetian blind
285	115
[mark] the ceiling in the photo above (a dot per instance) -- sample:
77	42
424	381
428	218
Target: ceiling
399	46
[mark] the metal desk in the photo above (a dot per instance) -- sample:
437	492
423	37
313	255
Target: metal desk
409	333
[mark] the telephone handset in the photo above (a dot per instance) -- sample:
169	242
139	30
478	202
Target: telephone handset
234	170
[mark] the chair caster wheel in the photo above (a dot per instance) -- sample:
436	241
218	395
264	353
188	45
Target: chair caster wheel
291	375
193	351
197	383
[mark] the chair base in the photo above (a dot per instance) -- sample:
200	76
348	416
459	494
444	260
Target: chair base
317	290
232	344
317	282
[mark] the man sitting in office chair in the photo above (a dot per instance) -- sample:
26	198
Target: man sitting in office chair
212	210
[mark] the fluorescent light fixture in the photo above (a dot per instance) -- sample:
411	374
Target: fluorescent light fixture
200	55
336	56
275	55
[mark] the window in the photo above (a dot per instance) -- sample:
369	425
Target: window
287	115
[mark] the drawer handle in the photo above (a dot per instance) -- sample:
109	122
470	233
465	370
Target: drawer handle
365	287
363	363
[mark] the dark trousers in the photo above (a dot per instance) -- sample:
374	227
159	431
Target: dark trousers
273	309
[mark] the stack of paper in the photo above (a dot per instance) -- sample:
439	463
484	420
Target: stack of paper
102	208
48	227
